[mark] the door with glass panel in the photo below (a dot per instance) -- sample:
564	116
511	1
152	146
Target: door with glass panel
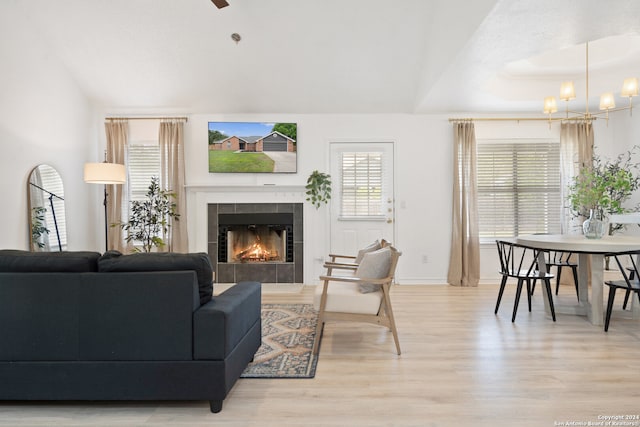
362	203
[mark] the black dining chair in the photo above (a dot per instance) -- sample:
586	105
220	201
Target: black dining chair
628	266
520	262
627	294
560	260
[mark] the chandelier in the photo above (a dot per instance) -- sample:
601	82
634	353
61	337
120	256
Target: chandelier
607	100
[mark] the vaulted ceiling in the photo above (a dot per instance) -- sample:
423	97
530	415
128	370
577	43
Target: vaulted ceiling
336	56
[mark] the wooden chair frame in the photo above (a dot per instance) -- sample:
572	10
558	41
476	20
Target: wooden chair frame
384	316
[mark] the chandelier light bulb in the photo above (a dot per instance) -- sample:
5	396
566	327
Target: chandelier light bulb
567	91
607	101
550	105
630	87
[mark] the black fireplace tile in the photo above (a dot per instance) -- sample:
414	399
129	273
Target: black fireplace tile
246	207
285	273
212	220
225	273
251	271
299	262
265	207
226	208
212	227
212	250
285	207
298	226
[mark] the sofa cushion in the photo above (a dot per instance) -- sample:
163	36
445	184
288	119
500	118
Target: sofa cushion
114	261
17	261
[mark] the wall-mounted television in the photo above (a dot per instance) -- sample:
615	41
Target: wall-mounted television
252	147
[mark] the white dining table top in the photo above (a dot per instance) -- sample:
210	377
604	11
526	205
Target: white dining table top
579	243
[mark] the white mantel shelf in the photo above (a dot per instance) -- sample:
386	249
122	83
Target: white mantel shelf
244	188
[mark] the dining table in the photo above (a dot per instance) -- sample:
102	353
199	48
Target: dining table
593	250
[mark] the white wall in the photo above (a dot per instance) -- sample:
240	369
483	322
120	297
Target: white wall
44	118
423	178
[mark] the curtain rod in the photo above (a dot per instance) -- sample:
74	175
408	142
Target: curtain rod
186	119
519	119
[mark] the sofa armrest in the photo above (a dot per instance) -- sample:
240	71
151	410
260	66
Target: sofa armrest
220	324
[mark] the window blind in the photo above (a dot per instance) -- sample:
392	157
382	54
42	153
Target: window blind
143	163
362	181
518	187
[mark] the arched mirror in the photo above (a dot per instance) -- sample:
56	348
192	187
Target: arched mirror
47	224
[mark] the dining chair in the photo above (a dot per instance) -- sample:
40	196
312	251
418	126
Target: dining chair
362	297
520	262
628	266
560	260
627	294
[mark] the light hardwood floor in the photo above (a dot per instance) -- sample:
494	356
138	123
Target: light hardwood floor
461	366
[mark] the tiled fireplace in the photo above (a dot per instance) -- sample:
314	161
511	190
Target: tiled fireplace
256	241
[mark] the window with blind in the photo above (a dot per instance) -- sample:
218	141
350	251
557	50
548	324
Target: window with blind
362	178
143	162
518	187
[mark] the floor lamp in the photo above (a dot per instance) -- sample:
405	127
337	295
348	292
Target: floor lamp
105	173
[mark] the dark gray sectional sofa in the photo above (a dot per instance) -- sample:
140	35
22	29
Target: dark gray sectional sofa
81	326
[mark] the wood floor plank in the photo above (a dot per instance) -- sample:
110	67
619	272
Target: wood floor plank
461	365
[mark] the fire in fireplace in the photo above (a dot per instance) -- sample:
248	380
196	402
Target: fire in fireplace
256	243
266	237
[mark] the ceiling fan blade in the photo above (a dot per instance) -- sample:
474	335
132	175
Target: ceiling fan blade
220	3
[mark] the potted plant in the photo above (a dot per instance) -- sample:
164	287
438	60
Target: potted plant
149	218
601	189
318	188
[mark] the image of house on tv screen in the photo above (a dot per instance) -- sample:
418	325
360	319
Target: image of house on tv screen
252	147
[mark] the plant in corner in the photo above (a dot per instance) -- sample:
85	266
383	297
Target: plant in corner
603	188
149	218
318	188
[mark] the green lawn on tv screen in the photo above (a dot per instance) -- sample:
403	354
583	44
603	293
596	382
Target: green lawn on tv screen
230	161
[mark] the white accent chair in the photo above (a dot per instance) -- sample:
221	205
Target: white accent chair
361	295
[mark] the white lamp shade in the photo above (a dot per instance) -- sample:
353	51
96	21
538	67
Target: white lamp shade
630	87
607	101
104	173
550	105
567	91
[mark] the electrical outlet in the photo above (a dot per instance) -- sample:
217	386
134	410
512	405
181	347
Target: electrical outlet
425	259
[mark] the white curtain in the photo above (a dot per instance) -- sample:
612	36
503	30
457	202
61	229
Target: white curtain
576	151
117	139
171	138
464	260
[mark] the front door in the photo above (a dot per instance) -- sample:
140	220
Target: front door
362	203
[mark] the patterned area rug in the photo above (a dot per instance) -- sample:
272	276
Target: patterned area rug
288	331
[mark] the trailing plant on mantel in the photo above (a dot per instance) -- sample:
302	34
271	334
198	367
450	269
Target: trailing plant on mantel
318	188
605	187
149	218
